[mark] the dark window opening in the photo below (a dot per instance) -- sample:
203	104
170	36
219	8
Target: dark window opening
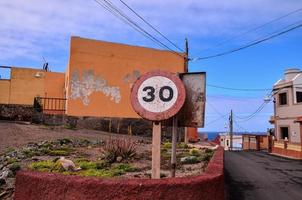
299	97
282	99
284	132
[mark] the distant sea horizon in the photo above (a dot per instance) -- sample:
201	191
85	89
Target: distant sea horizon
213	134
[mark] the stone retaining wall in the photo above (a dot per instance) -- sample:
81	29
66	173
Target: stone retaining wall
16	112
208	186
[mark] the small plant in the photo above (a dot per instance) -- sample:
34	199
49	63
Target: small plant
207	155
167	145
15	167
114	148
190	160
124	167
182	145
90	165
46	166
195	152
64	141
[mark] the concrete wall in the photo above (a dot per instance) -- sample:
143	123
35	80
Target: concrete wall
4	91
208	186
288	150
100	75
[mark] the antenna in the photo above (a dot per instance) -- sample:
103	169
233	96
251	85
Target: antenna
45	65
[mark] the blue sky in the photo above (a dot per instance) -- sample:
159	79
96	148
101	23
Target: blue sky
35	28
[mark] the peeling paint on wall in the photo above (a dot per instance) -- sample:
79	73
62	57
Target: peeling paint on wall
131	78
83	87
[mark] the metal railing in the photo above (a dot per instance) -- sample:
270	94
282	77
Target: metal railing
42	104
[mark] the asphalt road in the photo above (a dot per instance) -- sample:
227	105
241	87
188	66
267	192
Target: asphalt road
257	175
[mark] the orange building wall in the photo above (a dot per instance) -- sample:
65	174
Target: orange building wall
25	86
4	91
54	85
111	68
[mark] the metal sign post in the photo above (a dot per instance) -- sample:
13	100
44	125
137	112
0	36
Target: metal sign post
174	145
157	96
156	140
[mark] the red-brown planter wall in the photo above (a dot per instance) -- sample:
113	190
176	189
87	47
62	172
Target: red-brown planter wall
38	185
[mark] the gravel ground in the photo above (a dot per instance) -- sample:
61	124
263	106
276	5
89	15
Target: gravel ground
14	135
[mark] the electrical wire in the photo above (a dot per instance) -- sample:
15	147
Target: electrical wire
239	126
110	7
213	121
150	25
239	89
255	29
250	44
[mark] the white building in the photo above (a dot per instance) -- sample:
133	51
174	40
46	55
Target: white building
225	141
287	94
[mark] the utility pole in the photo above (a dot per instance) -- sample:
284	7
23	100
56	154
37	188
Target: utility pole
186	69
231	130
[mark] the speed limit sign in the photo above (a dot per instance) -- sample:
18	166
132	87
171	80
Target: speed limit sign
157	95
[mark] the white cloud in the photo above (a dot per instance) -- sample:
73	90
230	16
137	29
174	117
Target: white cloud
33	28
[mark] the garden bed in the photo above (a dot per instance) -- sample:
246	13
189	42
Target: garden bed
118	158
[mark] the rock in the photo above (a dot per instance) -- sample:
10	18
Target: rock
119	159
10	183
68	165
6	173
189	160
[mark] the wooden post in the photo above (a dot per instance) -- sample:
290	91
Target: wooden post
174	146
109	126
156	141
186	136
118	126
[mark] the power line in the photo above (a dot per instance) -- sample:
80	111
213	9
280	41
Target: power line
255	28
150	25
239	126
215	120
239	89
110	7
249	45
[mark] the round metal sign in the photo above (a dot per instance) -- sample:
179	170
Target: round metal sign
157	95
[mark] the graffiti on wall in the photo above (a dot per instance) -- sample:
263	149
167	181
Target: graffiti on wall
83	87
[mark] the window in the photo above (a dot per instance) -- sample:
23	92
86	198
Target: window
299	97
284	132
283	98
